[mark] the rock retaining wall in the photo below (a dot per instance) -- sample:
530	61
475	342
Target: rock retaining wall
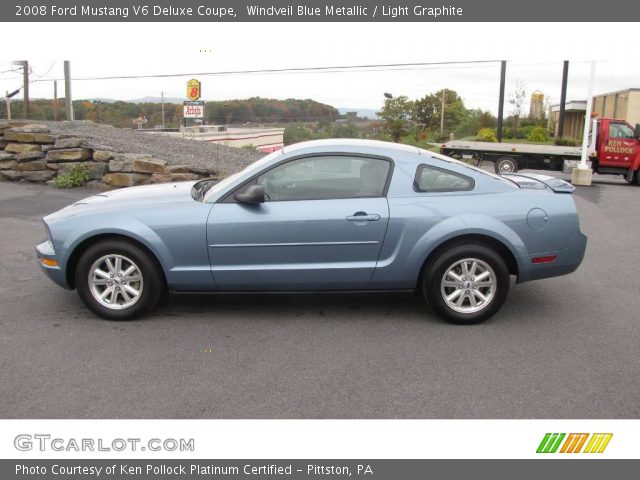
30	152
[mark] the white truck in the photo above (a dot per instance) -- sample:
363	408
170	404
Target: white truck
613	150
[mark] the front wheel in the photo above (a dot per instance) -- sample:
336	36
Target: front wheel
466	284
505	165
118	280
632	177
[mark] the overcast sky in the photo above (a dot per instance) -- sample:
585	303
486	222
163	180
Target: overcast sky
534	53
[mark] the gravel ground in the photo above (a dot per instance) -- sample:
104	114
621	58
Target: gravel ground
176	151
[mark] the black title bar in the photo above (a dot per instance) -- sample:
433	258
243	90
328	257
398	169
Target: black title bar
322	11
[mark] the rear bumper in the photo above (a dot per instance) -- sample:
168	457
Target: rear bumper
46	259
567	260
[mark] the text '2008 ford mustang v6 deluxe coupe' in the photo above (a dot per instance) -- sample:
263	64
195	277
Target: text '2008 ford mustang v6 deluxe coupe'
329	215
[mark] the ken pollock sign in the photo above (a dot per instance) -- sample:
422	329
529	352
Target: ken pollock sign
315	11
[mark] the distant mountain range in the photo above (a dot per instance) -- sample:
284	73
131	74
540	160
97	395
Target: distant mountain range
362	112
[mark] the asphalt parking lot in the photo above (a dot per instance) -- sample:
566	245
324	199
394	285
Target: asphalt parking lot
567	347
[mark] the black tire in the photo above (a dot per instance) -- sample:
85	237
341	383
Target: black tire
433	276
632	177
153	282
505	165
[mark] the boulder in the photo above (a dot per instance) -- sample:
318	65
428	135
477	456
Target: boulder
44	138
95	170
71	142
29	128
7	164
32	166
139	164
22	147
39	176
179	169
173	177
97	185
6	124
11	174
69	155
28	156
22	137
125	179
102	155
207	172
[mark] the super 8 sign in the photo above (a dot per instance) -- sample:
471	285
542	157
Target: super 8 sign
194	89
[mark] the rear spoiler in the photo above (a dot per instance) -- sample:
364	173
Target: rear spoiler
536	181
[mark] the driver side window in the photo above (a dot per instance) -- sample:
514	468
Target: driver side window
326	177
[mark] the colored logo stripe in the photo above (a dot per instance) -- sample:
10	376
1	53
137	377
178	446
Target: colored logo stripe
597	442
574	443
550	442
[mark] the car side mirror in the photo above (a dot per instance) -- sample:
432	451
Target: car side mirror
253	195
636	131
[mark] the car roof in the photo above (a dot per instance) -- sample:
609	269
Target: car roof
350	144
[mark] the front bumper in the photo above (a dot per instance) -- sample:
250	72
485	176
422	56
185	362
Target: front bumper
50	264
567	260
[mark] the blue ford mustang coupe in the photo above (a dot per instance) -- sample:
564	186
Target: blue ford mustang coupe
329	215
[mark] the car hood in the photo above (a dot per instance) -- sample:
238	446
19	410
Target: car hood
127	198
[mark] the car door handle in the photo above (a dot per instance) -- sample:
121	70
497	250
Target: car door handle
363	217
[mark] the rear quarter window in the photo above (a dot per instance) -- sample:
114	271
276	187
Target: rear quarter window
433	179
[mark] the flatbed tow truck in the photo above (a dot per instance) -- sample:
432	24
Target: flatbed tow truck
613	150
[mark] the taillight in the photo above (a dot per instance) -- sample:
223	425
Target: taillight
546	259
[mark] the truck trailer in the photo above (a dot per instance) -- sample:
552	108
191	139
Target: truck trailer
613	150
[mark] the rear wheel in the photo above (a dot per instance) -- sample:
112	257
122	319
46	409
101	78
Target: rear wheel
118	280
505	165
466	284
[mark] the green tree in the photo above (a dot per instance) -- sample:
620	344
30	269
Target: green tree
427	111
396	113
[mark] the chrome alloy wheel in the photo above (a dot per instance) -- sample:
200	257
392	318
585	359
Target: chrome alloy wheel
468	285
115	282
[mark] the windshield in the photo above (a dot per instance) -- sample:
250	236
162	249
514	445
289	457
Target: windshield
620	130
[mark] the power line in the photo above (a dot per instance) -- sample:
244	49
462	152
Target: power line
333	69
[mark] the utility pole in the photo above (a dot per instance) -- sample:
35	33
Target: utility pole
25	85
444	93
7	99
162	102
55	100
67	90
587	117
582	174
563	97
503	72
